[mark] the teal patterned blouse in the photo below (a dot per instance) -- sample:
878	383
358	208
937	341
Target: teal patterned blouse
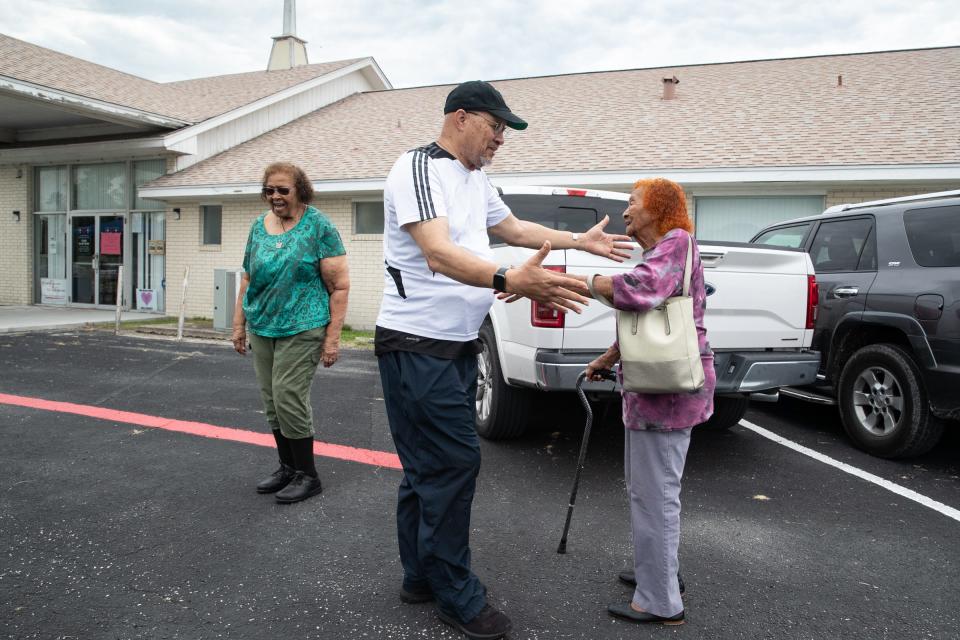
286	294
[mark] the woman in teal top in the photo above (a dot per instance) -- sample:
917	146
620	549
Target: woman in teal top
293	297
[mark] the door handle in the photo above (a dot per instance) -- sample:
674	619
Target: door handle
846	292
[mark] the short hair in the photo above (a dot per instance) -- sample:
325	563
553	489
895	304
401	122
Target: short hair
666	202
301	183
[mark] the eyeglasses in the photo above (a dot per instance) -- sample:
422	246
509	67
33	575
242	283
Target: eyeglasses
268	191
498	127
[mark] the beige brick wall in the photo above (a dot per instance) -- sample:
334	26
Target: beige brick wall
364	254
16	238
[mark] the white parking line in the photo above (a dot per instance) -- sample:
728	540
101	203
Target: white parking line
948	511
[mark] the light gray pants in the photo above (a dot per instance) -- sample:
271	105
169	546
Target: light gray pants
653	464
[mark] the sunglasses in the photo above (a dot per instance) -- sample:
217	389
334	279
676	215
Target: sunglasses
268	191
499	128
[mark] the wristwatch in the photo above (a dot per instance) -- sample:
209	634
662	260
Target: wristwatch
500	280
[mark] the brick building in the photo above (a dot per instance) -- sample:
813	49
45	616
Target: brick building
87	151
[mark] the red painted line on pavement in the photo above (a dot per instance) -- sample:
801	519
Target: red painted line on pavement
325	449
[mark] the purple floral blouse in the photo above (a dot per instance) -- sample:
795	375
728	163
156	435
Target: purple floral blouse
657	278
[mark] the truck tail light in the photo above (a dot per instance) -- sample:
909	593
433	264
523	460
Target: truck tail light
813	299
542	315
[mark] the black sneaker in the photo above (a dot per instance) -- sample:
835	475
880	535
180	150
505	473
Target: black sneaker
300	488
489	624
416	596
627	577
276	480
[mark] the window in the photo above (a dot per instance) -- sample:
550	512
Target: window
143	172
784	236
868	257
52	190
837	245
211	216
99	187
737	219
565	213
368	218
934	236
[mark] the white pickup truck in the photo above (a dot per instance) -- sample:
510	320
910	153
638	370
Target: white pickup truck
761	306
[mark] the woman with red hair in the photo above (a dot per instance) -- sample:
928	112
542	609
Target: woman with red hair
658	425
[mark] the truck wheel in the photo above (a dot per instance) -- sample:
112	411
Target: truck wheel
502	410
727	411
883	404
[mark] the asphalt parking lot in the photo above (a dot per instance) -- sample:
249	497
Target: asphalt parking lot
110	529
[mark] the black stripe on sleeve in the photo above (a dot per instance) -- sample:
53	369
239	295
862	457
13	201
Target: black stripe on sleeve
421	184
432	211
417	180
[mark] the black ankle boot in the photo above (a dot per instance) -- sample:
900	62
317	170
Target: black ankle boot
305	483
282	476
300	488
276	480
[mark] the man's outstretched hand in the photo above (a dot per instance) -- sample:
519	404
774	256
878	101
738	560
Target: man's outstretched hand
551	288
608	245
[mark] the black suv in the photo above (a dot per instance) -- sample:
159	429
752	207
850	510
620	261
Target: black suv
888	323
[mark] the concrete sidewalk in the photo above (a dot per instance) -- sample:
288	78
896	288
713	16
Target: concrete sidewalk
17	318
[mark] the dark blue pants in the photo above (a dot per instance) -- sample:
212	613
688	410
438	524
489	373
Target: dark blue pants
431	407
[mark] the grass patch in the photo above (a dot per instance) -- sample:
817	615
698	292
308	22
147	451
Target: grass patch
199	322
353	339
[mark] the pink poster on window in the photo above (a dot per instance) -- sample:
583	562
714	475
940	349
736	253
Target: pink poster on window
110	243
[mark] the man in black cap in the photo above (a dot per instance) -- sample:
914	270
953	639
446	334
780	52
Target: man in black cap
438	287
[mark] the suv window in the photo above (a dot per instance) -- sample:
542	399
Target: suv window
868	257
837	245
934	236
566	213
784	236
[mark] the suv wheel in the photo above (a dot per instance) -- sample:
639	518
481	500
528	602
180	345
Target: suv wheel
502	410
727	411
883	404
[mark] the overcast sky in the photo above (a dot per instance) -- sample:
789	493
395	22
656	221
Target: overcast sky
439	41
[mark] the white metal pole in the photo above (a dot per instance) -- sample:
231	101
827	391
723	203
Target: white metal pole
116	327
183	303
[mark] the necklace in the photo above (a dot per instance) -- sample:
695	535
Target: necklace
283	230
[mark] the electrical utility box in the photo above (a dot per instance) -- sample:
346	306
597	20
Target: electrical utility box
226	286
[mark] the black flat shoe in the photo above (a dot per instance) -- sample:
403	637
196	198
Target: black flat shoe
627	577
276	480
300	488
627	612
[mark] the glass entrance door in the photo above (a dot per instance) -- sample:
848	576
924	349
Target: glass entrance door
96	252
110	238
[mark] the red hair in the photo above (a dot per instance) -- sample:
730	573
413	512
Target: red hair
666	202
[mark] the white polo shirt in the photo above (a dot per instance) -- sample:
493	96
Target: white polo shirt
423	184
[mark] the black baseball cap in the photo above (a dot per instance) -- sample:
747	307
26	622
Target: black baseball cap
477	95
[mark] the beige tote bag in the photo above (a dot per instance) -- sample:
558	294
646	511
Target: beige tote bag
659	350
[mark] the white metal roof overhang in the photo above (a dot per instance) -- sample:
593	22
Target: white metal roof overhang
57	101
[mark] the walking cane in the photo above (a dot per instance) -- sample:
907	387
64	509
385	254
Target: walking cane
606	374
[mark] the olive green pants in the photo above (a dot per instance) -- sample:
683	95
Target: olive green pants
285	368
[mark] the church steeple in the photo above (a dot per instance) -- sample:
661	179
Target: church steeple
288	50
